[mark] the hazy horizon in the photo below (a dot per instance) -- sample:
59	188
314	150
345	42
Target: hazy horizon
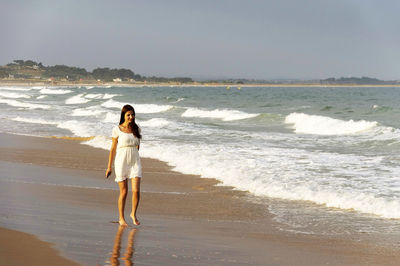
266	40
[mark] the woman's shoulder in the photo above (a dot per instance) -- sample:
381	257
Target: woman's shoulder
115	131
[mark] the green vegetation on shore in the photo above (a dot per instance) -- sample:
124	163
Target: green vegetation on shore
31	70
21	70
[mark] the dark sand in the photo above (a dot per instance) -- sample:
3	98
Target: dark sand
55	189
16	249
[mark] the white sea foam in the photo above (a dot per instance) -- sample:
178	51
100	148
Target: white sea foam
79	128
293	177
100	96
14	95
109	96
322	125
94	96
381	133
34	120
112	117
38	87
41	97
224	114
151	108
275	163
54	91
113	104
101	142
77	99
90	111
15	103
326	178
155	123
139	108
15	89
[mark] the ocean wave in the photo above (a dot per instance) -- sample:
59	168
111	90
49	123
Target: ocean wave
155	123
367	203
112	117
139	108
15	103
292	178
54	91
14	95
174	100
101	96
41	97
34	120
38	87
77	99
94	96
79	128
151	108
323	125
101	142
380	108
113	104
325	178
224	114
90	111
15	88
382	133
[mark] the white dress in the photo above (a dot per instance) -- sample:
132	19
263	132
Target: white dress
127	161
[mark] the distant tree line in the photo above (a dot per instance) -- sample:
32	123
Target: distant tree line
62	71
26	69
27	63
3	73
357	81
75	73
162	79
108	74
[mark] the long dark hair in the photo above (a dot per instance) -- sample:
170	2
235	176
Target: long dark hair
133	126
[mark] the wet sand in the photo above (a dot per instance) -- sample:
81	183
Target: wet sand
16	249
56	190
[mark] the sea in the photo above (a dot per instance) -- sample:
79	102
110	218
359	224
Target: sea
323	160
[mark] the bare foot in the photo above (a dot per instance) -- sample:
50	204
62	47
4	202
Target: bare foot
135	220
123	223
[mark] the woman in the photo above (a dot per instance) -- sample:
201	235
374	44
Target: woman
125	149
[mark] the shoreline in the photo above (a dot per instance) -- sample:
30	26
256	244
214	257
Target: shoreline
195	84
176	210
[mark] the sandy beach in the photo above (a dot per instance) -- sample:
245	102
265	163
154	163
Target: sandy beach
17	249
55	190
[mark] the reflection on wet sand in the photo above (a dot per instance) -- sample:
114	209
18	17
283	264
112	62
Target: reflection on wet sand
127	257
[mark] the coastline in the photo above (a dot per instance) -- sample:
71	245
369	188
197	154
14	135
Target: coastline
185	218
167	84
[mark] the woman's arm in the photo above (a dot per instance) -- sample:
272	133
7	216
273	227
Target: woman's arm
111	156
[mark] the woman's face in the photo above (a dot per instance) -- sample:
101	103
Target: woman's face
129	116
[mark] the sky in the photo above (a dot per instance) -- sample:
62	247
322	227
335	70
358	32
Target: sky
285	39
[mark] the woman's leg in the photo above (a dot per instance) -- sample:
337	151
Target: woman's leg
135	199
123	192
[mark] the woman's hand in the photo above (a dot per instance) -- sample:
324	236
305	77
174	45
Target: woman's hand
108	172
